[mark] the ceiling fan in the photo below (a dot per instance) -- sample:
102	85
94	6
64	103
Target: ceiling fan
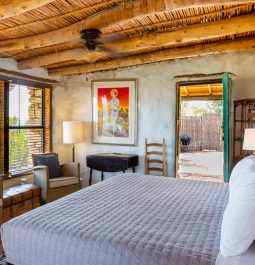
92	39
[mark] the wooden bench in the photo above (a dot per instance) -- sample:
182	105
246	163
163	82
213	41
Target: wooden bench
18	200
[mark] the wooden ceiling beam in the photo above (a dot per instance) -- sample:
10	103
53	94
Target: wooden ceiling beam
195	32
186	90
201	94
52	19
58	57
72	33
165	24
175	4
10	8
209	89
204	31
109	17
170	54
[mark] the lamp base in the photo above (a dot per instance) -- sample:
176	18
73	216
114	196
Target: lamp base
73	152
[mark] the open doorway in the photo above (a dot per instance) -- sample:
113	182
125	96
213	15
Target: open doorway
200	125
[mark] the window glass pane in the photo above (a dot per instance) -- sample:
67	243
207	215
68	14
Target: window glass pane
25	106
23	143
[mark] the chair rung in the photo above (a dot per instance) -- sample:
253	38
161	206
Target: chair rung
154	153
154	144
155	161
155	169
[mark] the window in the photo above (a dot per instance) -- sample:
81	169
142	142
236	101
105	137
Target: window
26	127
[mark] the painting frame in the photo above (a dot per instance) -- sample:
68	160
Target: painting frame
108	85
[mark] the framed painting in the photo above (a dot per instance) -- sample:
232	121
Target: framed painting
114	112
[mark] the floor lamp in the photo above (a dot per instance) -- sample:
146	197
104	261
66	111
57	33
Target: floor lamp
72	133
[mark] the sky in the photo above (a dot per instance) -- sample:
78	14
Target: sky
17	106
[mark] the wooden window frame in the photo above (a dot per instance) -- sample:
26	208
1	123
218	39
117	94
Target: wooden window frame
42	86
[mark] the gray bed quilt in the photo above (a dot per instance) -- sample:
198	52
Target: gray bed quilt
130	219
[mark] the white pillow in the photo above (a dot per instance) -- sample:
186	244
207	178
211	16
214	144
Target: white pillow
243	167
238	225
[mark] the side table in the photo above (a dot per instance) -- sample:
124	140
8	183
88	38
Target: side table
111	162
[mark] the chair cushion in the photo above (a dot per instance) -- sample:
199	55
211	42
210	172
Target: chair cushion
63	181
51	161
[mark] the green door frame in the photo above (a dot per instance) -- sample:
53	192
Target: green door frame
226	100
226	107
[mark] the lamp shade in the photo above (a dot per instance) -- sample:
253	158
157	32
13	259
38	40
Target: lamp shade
249	140
72	132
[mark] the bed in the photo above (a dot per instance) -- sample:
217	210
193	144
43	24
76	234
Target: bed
129	219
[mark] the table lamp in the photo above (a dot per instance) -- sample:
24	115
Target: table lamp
249	140
72	133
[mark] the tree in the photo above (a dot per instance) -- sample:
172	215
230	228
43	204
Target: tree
216	106
199	111
199	108
18	146
184	108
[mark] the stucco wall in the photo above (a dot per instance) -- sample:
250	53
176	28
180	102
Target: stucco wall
11	64
156	101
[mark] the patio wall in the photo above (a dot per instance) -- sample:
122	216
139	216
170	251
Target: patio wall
205	132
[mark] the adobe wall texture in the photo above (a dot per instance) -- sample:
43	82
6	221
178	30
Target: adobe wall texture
156	102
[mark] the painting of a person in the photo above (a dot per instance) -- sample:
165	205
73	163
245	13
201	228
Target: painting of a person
114	105
111	117
112	112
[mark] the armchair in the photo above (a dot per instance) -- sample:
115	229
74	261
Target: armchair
55	180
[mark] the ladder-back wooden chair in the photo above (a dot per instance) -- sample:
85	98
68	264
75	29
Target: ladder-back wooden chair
155	157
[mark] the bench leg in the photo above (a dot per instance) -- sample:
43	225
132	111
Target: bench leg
90	177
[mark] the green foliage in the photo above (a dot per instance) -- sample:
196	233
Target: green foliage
18	146
216	106
195	108
199	111
184	108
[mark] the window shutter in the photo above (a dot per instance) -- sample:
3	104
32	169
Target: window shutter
2	106
47	120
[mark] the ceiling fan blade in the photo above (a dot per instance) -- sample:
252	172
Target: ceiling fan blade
104	49
113	37
111	52
92	57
